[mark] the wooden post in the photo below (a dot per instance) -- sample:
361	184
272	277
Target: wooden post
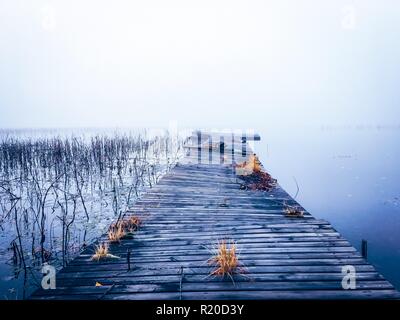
128	257
210	149
221	149
199	146
189	150
233	148
180	283
244	142
364	248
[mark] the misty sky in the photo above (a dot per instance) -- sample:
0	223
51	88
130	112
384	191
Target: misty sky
202	63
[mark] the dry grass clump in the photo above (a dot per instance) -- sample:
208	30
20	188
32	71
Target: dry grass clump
123	229
116	232
131	223
252	165
225	260
258	181
254	178
102	253
120	230
293	211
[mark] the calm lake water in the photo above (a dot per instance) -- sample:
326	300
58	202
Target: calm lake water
348	175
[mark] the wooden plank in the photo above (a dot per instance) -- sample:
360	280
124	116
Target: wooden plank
216	286
264	295
106	279
204	270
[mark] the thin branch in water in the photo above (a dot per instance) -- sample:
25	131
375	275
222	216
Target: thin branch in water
297	186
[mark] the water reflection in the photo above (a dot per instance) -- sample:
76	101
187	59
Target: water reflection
348	175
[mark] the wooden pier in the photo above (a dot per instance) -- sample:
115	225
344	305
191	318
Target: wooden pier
193	207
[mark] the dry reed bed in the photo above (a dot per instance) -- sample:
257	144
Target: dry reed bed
55	190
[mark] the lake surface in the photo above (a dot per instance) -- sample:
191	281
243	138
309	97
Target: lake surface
348	175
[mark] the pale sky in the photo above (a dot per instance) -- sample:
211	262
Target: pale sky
96	63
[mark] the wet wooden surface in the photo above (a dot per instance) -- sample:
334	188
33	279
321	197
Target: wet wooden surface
188	212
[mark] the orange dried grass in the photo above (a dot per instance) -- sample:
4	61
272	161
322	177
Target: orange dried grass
225	260
252	165
131	223
293	211
102	252
123	228
116	232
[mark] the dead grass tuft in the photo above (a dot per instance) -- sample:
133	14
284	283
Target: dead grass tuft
102	253
116	232
225	260
131	223
258	181
254	178
293	211
252	165
124	229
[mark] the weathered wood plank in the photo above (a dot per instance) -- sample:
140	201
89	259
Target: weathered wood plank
216	286
264	295
205	270
188	278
